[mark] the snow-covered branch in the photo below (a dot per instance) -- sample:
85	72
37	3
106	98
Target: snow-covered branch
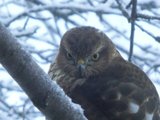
45	94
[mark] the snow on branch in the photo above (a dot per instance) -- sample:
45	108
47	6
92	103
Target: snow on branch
45	94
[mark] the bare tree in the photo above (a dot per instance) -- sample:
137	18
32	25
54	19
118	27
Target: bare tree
39	25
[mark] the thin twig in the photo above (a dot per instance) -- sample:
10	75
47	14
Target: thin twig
156	38
132	20
124	12
129	4
150	34
147	17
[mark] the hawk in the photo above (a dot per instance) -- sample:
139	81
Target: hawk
92	72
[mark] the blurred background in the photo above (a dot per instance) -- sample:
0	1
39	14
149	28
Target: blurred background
39	25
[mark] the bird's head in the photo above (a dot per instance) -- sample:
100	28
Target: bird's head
85	52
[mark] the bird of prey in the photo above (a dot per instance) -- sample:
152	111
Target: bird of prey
93	73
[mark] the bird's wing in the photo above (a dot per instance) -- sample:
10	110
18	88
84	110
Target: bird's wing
125	101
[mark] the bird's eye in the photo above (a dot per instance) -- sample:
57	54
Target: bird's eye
69	56
95	56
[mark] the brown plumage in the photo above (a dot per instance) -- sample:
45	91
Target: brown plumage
92	72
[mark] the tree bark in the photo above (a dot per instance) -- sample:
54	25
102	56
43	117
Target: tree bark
45	94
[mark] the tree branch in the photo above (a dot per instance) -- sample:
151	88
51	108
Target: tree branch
147	17
124	12
132	19
45	94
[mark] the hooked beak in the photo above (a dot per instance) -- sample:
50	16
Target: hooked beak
81	67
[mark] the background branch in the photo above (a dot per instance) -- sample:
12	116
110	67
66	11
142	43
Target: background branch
132	20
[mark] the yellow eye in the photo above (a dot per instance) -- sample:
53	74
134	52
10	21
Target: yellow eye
69	56
95	56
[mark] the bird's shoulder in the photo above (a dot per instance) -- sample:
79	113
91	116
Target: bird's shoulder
123	71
